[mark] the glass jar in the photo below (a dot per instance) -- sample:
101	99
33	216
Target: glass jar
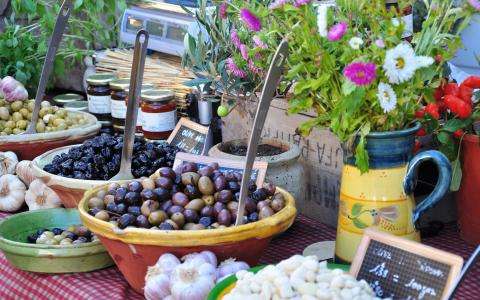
62	99
98	95
159	112
145	87
118	103
406	14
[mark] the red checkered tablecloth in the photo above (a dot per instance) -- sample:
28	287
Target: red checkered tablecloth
109	283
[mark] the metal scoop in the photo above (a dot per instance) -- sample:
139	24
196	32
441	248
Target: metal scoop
136	79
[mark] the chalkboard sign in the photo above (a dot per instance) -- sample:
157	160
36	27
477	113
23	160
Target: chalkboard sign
258	173
189	136
403	269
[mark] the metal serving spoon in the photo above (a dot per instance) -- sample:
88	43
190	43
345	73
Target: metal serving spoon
58	30
269	88
136	79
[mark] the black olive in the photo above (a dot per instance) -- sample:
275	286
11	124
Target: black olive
162	194
71	236
134	210
32	238
234	186
207	211
253	217
166	226
121	208
135	186
126	220
260	194
132	198
191	216
191	191
142	221
164	182
120	194
167	172
166	205
93	211
205	221
57	231
252	186
148	194
111	207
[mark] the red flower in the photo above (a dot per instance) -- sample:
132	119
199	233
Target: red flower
473	82
458	133
464	110
432	110
421	132
466	93
438	94
452	89
419	114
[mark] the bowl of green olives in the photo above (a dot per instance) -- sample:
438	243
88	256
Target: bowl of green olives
56	127
51	241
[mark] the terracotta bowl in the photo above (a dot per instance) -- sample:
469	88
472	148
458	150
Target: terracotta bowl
29	146
134	249
69	190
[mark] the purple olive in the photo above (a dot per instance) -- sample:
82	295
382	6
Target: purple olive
261	205
174	209
134	210
224	217
180	199
230	176
238	176
191	216
205	171
135	186
126	220
250	205
217	207
142	222
164	182
265	212
167	172
232	205
120	194
121	208
271	188
166	205
260	194
148	194
220	183
162	194
176	188
233	186
216	174
189	167
224	196
132	198
192	191
207	211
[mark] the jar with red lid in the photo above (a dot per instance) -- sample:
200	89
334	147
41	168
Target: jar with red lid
406	15
145	87
159	112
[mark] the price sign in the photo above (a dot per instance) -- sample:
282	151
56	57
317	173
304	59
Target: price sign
403	269
258	173
189	137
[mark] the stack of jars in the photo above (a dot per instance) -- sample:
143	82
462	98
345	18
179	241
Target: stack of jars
156	113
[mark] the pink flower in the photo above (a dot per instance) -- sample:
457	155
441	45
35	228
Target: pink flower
234	69
258	56
380	43
244	51
277	4
299	3
258	42
253	68
337	31
235	38
475	4
361	73
222	10
251	21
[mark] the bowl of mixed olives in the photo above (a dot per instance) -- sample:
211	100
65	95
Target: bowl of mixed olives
72	170
56	127
191	209
51	241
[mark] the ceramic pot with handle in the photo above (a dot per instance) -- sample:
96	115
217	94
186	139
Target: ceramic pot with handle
383	197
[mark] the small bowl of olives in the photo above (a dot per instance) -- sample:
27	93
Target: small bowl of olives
188	210
51	241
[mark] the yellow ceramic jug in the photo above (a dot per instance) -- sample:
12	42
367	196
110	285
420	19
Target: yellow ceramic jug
382	197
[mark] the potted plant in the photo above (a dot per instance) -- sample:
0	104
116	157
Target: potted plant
352	65
453	119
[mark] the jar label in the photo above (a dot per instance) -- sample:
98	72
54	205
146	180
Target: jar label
99	104
119	109
159	122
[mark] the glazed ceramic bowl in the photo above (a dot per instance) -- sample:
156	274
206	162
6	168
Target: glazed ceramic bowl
134	249
70	190
29	146
49	258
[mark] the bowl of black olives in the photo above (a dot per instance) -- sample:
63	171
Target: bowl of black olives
51	241
191	210
72	170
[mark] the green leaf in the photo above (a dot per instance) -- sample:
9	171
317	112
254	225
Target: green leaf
453	125
197	81
77	4
348	88
456	175
356	209
361	154
443	137
359	224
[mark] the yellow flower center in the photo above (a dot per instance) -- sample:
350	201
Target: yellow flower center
360	74
385	94
400	63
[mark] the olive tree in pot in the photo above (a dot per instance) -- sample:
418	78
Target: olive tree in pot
284	169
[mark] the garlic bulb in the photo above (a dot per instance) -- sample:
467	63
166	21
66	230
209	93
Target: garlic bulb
157	286
167	263
207	256
192	280
229	267
24	171
40	196
8	162
12	193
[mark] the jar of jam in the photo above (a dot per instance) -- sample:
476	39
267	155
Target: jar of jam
118	103
98	95
406	15
145	87
159	112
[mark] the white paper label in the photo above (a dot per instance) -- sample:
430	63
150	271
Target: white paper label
119	109
408	21
159	122
99	104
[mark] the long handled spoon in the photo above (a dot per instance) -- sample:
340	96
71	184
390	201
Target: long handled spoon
136	79
58	30
273	77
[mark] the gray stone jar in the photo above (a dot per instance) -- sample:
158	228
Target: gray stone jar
284	170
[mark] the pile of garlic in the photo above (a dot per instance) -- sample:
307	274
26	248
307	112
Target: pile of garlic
299	278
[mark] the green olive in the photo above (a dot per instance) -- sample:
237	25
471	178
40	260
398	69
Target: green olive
4	113
24	112
57	122
61	113
22	124
40	127
48	129
29	116
17	105
16	116
3	133
2	102
157	217
45	104
62	126
43	111
17	131
8	130
10	124
31	105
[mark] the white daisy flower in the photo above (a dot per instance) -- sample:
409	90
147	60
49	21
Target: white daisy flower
355	42
387	97
424	61
400	63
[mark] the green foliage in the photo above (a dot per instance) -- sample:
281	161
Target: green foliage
90	26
